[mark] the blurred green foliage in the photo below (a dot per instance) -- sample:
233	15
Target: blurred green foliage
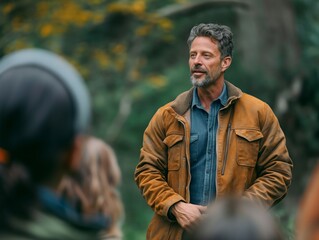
134	58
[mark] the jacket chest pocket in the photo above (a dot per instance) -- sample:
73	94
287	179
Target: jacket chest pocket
247	146
174	148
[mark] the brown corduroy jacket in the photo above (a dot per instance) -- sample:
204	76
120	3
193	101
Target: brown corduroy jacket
252	158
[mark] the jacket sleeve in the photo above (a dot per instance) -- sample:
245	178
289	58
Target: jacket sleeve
151	171
274	165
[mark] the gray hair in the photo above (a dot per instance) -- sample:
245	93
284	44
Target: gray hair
220	33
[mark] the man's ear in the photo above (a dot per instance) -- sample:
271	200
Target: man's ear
75	153
226	63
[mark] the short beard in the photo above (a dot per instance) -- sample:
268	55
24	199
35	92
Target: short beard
207	81
204	83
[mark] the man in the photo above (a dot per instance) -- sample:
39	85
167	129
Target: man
211	141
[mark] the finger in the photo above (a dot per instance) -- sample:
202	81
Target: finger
191	227
202	209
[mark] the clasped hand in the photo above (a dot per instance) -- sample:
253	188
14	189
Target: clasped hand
187	214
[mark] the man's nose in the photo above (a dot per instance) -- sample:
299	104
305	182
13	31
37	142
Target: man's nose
197	60
197	65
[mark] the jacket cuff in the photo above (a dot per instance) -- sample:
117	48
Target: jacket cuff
171	217
168	203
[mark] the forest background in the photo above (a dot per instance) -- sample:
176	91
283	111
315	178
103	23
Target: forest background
134	58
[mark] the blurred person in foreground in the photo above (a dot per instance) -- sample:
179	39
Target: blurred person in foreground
93	189
211	141
237	219
44	114
307	221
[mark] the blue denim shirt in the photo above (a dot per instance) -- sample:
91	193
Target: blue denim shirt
203	148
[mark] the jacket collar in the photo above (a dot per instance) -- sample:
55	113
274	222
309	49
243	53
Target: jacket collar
183	101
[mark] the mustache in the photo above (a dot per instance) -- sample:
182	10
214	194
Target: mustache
197	68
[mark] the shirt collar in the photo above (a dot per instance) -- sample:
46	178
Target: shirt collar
223	97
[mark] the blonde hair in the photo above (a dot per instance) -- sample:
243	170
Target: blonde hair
94	188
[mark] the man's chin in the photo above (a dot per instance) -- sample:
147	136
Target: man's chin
198	82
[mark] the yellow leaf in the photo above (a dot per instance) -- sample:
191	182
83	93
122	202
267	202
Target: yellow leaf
118	7
46	30
158	81
7	8
102	58
138	7
118	48
166	24
143	31
135	74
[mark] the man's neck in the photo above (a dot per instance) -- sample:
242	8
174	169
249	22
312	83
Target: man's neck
210	93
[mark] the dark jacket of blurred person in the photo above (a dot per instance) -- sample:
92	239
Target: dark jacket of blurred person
245	153
93	190
307	221
44	114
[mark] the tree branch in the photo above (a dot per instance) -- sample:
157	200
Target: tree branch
191	8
